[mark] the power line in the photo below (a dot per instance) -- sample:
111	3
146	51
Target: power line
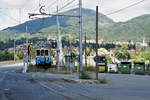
69	7
56	3
52	4
11	17
37	14
63	2
63	7
111	12
41	2
125	8
66	5
9	8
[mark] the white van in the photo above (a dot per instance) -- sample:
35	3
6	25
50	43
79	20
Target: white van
112	68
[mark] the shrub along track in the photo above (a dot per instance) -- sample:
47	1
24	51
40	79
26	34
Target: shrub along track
62	88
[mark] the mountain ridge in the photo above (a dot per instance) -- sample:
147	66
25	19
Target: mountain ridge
108	29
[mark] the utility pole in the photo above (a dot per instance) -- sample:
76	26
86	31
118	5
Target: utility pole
15	48
97	69
26	58
58	42
80	36
85	52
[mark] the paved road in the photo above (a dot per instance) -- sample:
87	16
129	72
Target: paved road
15	85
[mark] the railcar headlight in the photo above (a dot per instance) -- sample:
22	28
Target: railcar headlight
47	58
38	58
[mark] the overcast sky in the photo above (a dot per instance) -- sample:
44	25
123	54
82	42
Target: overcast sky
9	9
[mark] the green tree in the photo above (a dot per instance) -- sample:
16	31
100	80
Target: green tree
122	53
109	60
142	56
88	51
75	53
20	54
6	55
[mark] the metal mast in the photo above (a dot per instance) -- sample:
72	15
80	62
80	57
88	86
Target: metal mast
58	42
15	48
80	35
26	58
27	40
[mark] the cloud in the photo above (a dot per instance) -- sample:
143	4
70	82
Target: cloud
131	12
14	2
105	7
6	22
108	6
11	18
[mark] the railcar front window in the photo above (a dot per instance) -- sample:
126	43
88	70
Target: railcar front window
42	52
46	52
38	52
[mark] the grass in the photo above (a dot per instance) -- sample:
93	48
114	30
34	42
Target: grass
103	81
84	75
33	68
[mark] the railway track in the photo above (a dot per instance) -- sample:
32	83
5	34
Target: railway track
83	95
62	88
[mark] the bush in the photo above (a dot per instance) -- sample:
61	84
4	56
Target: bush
84	75
33	68
6	55
102	81
92	69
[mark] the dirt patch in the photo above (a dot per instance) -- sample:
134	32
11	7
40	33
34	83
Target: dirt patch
83	81
68	80
46	79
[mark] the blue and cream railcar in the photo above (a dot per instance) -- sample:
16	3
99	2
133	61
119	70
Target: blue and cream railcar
43	57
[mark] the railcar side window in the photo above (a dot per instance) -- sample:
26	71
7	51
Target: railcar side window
46	52
42	52
38	53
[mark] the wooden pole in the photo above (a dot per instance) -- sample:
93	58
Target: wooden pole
97	70
85	53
